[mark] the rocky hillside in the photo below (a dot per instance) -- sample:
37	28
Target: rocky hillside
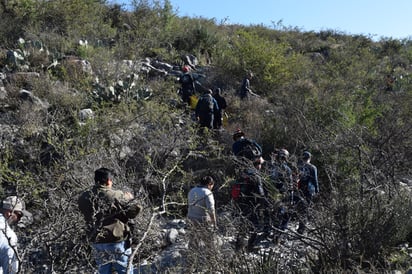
76	96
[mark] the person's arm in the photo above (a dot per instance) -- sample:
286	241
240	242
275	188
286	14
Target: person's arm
127	196
260	187
210	205
212	214
193	83
132	208
9	262
197	109
247	85
249	90
253	94
215	106
213	217
315	178
126	206
224	104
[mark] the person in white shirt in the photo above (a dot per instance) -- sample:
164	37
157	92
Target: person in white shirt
202	203
13	209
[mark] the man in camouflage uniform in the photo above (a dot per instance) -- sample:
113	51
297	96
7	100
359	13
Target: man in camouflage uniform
107	213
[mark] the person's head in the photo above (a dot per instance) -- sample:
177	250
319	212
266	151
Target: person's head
238	134
208	91
14	209
306	155
207	181
283	154
218	91
249	75
186	68
103	176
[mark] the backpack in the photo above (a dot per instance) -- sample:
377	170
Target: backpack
186	79
205	104
240	187
249	149
243	186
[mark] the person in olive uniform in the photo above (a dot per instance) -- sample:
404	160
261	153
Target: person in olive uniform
107	213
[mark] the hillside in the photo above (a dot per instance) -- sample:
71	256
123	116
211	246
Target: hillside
85	84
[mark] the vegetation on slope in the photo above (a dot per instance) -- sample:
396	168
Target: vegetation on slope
345	98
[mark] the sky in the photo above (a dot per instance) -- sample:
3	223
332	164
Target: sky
372	18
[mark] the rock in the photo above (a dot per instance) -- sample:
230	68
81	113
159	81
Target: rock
161	65
86	114
26	95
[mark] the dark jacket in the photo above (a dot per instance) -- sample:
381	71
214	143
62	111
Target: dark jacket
221	102
188	82
107	214
205	109
309	178
206	105
247	148
252	195
245	88
281	175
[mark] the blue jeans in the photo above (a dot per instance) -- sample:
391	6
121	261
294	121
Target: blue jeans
112	256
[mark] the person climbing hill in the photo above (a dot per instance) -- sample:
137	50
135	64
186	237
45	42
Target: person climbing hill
245	90
222	104
244	147
205	109
308	187
188	87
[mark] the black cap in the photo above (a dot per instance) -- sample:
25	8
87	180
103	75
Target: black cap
306	155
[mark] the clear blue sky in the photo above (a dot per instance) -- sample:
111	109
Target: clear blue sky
375	18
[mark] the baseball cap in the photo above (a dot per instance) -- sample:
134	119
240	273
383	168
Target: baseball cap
16	204
238	133
306	155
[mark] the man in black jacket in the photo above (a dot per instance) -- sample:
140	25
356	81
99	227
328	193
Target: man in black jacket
205	109
222	104
188	87
251	203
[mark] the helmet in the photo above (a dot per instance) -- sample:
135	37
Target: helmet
238	133
283	153
186	68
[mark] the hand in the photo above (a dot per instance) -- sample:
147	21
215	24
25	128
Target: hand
128	195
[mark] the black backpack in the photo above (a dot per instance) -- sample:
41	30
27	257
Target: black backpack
249	150
186	79
205	104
